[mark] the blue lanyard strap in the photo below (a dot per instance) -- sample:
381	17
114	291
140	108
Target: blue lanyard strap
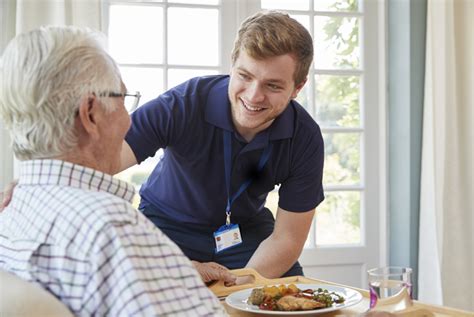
227	140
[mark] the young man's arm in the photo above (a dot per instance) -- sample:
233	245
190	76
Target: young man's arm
276	254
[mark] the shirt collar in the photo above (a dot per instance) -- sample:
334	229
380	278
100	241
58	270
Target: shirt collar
62	173
217	113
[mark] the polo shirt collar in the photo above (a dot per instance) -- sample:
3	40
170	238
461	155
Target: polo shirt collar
217	110
218	113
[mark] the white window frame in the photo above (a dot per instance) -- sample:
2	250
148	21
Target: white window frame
233	12
372	251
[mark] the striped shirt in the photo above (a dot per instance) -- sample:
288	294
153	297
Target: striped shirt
73	231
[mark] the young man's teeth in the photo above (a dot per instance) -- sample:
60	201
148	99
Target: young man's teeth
252	108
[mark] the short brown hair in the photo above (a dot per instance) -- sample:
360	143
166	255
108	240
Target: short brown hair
274	33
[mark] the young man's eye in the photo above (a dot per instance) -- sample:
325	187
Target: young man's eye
274	87
244	76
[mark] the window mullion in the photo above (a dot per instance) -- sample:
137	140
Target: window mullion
165	47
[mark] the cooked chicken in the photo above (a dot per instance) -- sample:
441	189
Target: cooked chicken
292	303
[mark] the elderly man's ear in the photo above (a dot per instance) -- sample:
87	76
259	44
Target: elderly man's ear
90	114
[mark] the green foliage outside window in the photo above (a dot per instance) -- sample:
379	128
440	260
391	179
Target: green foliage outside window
337	104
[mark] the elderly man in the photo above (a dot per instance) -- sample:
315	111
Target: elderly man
70	226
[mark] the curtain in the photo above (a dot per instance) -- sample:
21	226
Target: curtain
33	13
446	266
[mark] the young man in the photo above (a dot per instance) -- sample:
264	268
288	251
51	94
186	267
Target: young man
70	226
228	141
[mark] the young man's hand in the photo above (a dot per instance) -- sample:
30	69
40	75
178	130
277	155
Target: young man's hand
211	271
6	195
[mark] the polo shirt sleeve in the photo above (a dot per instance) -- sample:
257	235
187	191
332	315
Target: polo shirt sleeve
157	124
303	189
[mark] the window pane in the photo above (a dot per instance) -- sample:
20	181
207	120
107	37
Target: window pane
215	2
342	159
303	19
337	100
178	76
130	31
272	204
285	4
310	242
187	45
336	42
303	99
336	5
148	81
138	174
338	219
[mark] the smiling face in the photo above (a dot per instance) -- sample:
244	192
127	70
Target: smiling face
259	91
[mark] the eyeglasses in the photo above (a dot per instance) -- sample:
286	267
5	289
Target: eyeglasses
130	100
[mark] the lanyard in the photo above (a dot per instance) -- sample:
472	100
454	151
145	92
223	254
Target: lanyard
227	166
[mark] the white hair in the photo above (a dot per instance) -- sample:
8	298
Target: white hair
44	75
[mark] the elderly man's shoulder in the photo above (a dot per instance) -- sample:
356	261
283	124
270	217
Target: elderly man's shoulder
100	208
94	215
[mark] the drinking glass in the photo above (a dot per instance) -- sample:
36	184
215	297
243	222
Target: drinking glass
390	287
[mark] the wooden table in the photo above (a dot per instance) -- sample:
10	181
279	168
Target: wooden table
418	309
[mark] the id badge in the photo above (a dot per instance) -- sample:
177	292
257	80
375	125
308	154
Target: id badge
227	236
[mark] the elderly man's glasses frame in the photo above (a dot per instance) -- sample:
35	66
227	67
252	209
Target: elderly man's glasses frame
131	100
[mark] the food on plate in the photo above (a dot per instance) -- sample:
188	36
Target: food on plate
291	303
291	298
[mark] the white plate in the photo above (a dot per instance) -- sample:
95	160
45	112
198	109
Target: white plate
238	300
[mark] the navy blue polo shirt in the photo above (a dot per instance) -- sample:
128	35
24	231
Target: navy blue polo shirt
188	184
